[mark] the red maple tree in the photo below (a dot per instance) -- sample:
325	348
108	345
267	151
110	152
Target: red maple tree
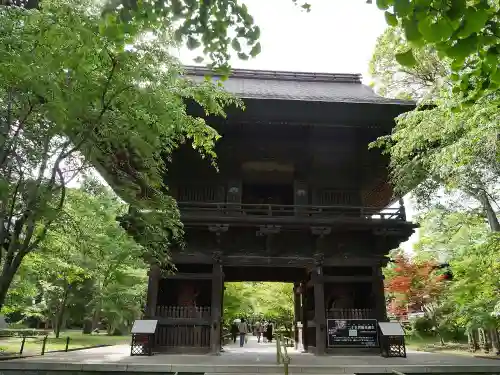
412	284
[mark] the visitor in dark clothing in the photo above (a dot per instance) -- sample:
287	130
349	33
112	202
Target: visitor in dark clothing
269	332
234	331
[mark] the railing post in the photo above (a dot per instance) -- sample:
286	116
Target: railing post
285	365
44	344
22	345
278	350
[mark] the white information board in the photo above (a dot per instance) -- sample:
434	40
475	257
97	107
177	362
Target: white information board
391	329
144	326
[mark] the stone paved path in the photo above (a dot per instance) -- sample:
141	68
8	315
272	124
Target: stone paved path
255	357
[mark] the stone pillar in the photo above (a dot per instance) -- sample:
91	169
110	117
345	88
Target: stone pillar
152	296
216	310
319	305
378	292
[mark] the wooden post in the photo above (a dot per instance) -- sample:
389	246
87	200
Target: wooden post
216	312
380	308
303	315
319	305
152	297
296	312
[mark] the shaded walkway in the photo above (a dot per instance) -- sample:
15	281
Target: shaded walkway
253	347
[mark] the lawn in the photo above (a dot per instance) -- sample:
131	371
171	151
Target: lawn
77	340
432	345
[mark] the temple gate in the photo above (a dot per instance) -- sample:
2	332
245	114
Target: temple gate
298	198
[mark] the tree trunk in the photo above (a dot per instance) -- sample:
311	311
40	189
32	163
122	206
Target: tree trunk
96	316
60	314
490	212
495	344
6	279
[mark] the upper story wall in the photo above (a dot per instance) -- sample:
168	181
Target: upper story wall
306	133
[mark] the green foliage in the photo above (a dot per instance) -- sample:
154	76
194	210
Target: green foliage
466	32
421	80
464	240
259	300
89	100
436	148
86	256
440	145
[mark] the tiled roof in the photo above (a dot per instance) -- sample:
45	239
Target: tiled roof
279	85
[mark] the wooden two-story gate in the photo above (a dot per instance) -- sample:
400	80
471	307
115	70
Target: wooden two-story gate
298	197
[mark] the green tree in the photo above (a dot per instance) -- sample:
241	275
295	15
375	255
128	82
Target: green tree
464	240
87	254
416	82
263	300
440	146
74	107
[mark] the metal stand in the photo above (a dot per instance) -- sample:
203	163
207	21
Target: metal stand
142	344
393	346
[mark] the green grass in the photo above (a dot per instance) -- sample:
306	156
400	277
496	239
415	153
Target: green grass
33	346
432	345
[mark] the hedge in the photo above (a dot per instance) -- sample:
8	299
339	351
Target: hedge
8	332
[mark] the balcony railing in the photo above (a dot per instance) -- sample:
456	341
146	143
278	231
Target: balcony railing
183	312
280	210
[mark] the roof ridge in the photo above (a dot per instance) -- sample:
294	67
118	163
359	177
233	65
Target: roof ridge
280	75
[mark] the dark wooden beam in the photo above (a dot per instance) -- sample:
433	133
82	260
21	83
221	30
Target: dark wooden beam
152	296
189	276
342	279
182	321
217	292
319	306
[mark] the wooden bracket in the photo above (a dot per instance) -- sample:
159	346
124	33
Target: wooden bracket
321	231
268	229
218	228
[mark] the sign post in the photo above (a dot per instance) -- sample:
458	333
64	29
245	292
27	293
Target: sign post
352	333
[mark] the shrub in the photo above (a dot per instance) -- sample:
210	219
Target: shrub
23	332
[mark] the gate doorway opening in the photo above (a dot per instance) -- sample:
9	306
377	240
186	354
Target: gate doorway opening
266	304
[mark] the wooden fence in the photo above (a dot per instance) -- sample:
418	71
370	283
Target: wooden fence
183	312
183	336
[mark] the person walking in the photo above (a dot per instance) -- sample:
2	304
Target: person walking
269	332
234	331
258	331
243	328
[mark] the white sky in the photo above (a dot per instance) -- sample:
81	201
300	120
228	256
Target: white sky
336	36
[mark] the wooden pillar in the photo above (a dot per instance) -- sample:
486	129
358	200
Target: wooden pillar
319	305
296	312
216	310
303	315
378	292
152	296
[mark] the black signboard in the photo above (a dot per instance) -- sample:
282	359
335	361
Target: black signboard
352	333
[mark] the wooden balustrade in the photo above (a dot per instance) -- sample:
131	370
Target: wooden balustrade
183	336
349	314
276	210
345	314
183	312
